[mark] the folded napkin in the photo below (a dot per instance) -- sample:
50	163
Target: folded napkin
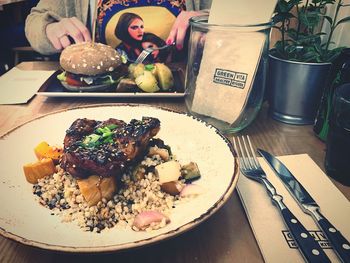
19	86
274	240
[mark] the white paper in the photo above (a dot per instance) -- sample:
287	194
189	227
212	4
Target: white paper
227	73
241	12
19	86
266	222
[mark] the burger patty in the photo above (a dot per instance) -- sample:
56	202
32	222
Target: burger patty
105	148
85	80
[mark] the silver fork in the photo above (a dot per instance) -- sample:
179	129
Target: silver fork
250	167
144	54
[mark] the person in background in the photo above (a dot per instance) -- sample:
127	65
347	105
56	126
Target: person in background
130	30
12	31
53	25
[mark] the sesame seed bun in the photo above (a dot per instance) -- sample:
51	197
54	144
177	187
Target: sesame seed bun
90	59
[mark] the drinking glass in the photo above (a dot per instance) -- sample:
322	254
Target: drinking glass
337	162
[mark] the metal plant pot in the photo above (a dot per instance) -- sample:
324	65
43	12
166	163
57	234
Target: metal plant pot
295	89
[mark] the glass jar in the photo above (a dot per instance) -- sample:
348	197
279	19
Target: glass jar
226	72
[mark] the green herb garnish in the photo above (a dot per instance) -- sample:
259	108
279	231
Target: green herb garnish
91	140
101	135
112	126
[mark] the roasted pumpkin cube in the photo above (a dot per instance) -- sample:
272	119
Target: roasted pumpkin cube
39	169
44	150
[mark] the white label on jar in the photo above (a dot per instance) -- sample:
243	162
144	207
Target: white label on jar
230	78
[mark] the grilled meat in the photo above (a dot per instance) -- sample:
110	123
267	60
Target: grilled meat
105	148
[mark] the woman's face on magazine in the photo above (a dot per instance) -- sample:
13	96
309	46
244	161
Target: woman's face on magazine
136	29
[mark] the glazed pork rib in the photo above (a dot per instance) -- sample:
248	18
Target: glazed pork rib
105	148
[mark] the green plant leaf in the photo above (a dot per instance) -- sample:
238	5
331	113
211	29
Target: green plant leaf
291	49
281	17
311	19
310	57
277	27
304	42
329	19
318	49
293	3
341	21
309	38
332	57
286	6
282	6
326	2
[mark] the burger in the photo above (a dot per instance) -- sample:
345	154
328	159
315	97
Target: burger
90	67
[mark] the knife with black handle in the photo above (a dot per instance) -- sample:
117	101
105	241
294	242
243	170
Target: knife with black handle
309	247
339	243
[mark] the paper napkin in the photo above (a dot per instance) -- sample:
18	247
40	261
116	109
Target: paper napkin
241	12
19	86
274	240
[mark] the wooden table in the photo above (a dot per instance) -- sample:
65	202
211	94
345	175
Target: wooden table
225	237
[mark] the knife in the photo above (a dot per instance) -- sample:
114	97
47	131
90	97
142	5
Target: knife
309	206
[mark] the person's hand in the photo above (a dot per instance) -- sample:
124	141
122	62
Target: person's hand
58	32
178	31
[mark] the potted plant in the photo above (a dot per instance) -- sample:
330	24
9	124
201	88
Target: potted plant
300	61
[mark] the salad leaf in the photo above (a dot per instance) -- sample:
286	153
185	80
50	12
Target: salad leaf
62	76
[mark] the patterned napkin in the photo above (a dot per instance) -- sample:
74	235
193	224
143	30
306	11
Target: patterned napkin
274	240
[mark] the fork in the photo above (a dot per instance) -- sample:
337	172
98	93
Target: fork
250	167
144	54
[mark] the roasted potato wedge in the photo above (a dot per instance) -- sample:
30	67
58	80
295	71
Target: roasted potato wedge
94	188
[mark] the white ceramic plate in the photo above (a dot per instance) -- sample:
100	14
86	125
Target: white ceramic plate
24	220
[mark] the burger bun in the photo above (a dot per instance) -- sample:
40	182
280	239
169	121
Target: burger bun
90	59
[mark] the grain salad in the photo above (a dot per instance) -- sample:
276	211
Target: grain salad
111	174
61	194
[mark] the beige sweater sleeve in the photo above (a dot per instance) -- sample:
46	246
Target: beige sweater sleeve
50	11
